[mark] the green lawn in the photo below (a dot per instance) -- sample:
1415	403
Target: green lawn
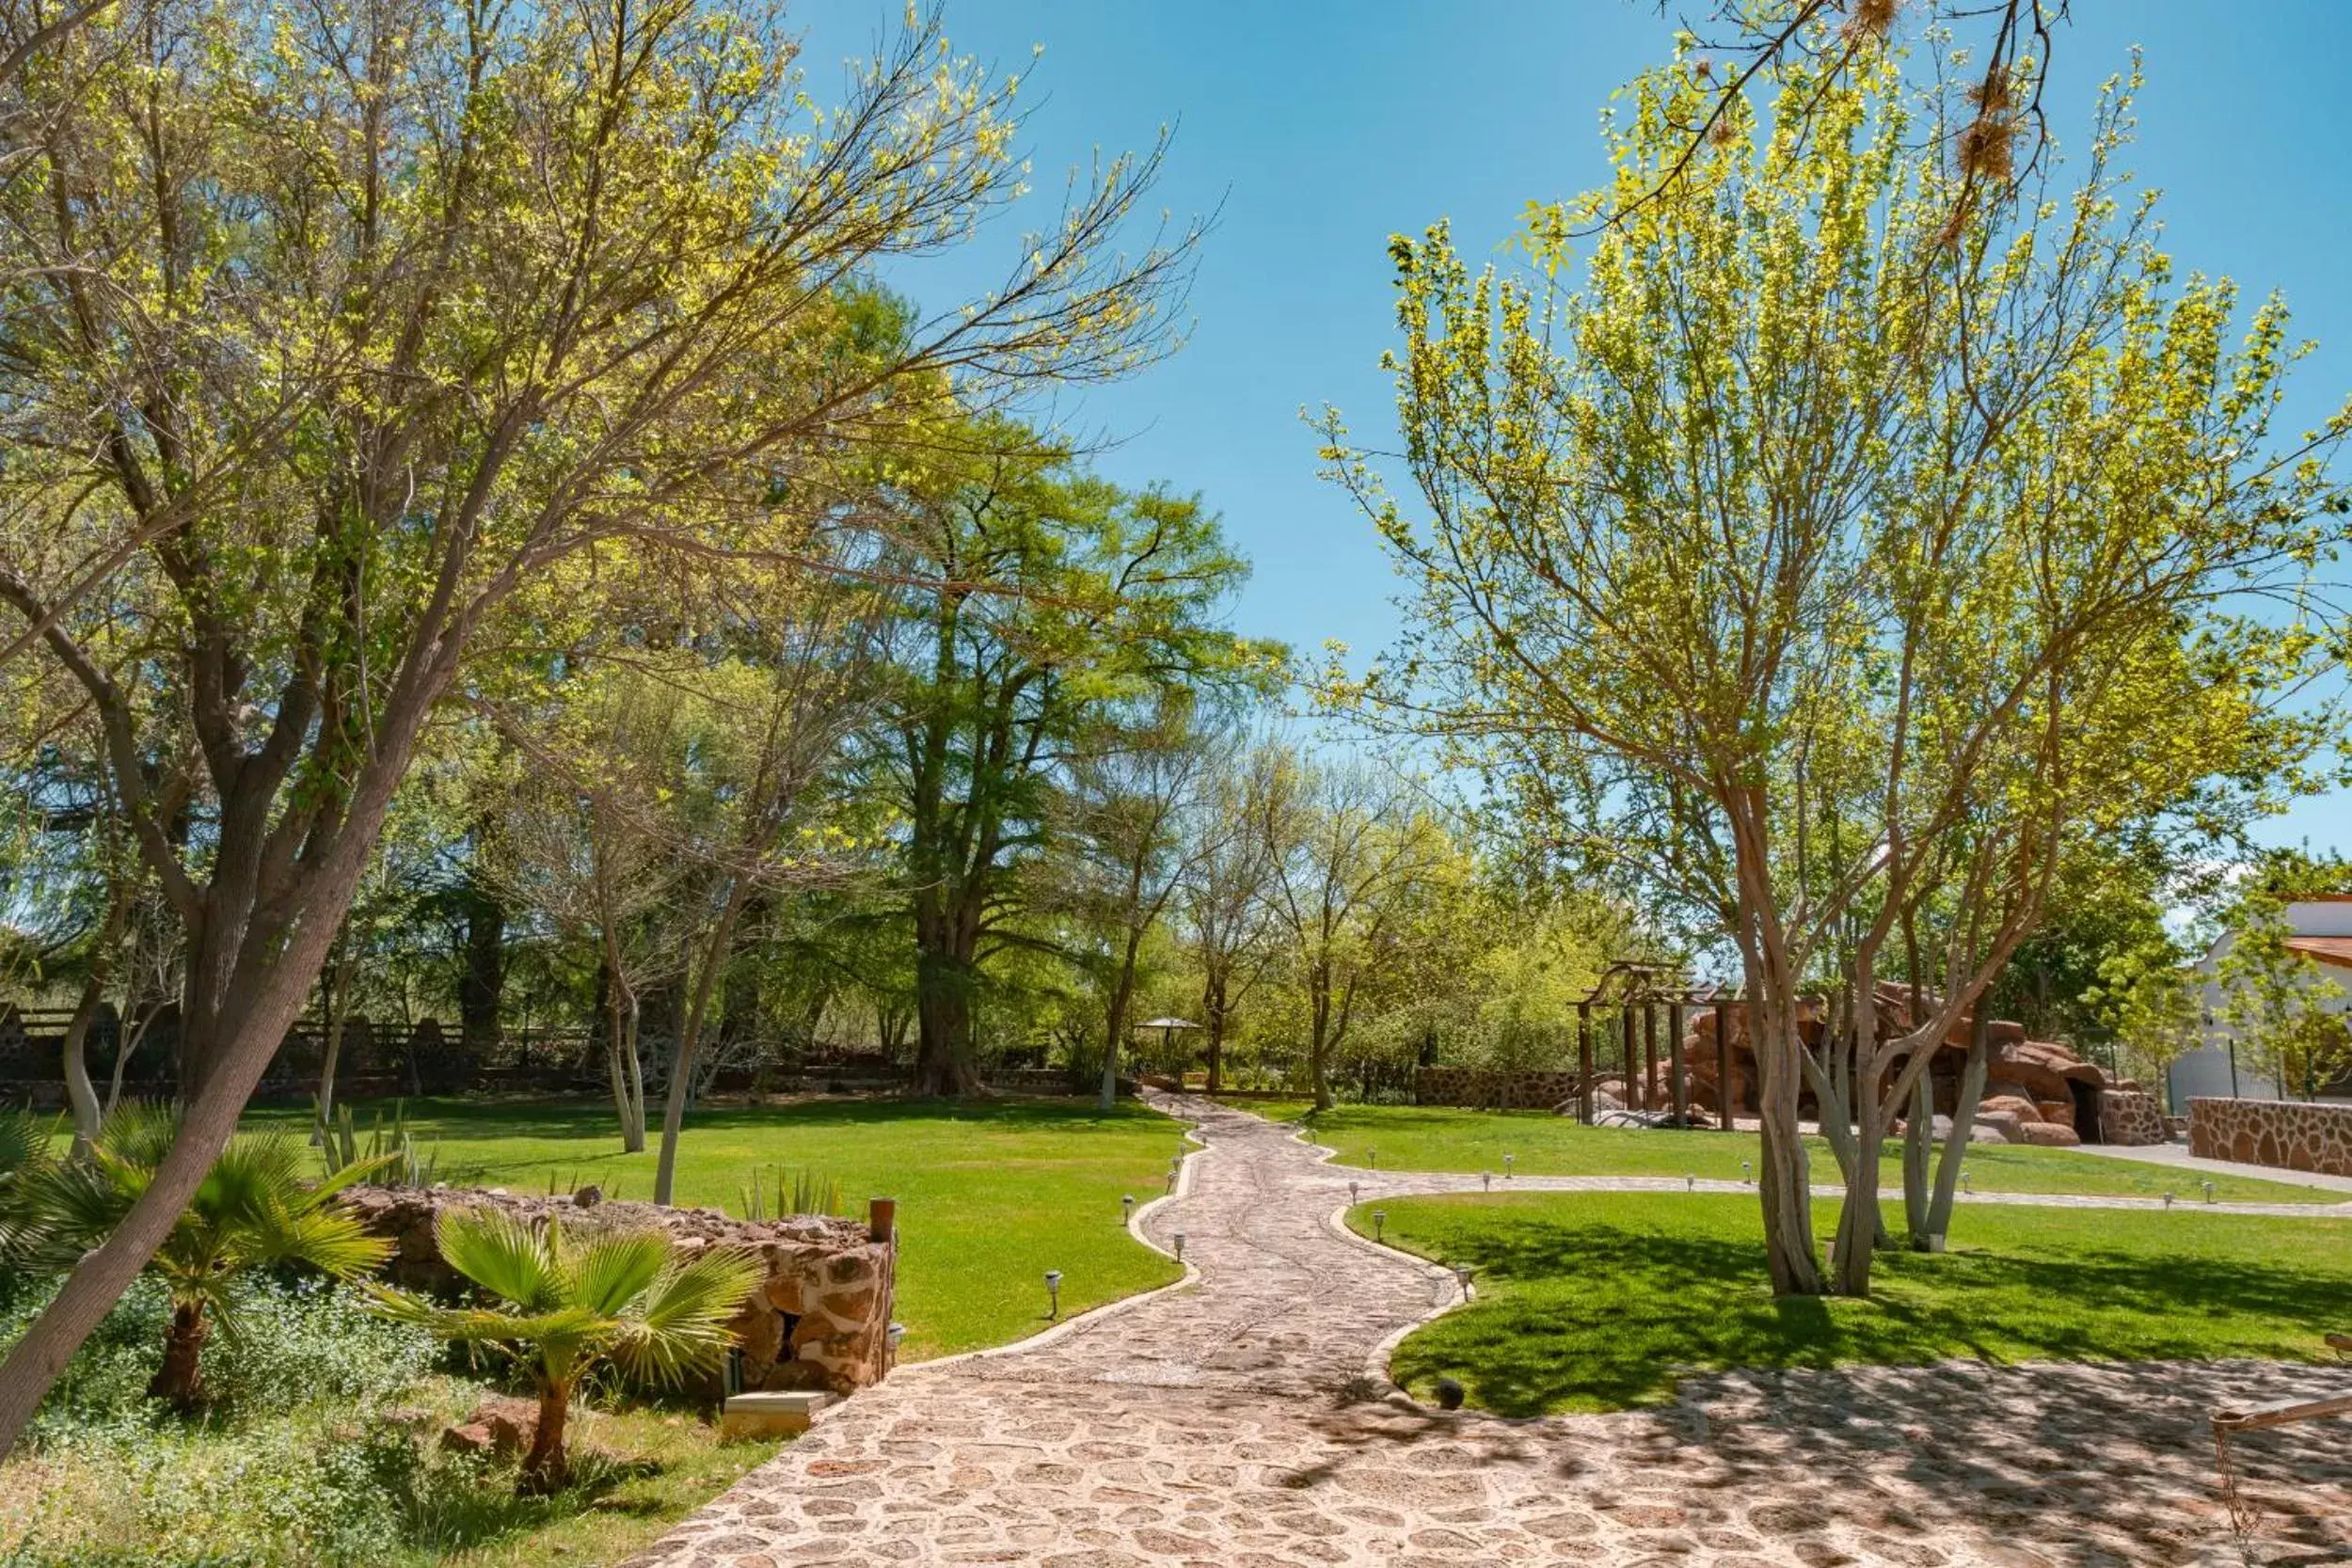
1600	1301
1428	1138
990	1193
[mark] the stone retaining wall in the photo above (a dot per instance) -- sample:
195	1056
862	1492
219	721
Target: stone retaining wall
2129	1117
1475	1089
820	1320
2280	1132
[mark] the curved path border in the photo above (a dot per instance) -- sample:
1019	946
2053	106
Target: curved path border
1239	1418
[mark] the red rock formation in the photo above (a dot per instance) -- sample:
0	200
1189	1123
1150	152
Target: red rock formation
2030	1089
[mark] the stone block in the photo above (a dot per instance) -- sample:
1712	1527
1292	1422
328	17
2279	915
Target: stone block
769	1413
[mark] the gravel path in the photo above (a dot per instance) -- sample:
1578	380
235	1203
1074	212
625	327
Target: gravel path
1231	1421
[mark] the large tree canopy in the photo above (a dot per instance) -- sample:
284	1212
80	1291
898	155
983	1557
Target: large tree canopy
1835	554
341	342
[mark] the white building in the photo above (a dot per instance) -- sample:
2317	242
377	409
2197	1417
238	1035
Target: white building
2322	929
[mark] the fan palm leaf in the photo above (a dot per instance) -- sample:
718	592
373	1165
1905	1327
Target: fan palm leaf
679	1323
251	1210
614	1294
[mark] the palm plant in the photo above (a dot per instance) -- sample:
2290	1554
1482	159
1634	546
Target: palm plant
24	1155
251	1210
569	1303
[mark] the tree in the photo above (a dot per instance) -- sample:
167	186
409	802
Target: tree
1224	895
1131	801
588	841
2279	1007
1053	602
788	708
1835	565
1346	846
361	338
253	1210
571	1303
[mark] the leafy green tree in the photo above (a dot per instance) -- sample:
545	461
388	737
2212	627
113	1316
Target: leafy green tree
574	1302
347	352
1837	552
1132	830
1229	935
1053	610
2284	1011
1349	846
253	1210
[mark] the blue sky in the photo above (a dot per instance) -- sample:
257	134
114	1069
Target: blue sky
1315	130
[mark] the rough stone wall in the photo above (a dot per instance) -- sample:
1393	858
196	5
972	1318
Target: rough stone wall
2130	1117
820	1320
2278	1132
1474	1089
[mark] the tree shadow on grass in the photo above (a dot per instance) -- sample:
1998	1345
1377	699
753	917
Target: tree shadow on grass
1598	1316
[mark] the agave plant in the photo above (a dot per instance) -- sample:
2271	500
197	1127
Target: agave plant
253	1210
571	1302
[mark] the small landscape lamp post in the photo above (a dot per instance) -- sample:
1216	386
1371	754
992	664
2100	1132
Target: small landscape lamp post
1462	1276
1371	1158
1506	1168
1690	1181
2167	1197
896	1333
1127	1206
1486	1179
1379	1221
1745	1169
1965	1185
1053	1292
2208	1187
1180	1247
1353	1190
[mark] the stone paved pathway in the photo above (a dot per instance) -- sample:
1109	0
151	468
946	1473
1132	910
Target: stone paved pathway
1231	1421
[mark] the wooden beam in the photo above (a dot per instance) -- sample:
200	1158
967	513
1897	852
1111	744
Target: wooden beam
1584	1062
1723	1063
2284	1413
1673	1051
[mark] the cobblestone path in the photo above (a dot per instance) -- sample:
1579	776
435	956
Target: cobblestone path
1232	1421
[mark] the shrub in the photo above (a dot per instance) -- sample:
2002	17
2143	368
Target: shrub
571	1303
252	1210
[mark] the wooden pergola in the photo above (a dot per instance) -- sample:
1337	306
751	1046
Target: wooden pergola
1640	990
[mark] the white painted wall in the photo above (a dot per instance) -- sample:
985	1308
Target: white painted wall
2205	1072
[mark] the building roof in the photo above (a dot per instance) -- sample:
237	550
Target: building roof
2328	950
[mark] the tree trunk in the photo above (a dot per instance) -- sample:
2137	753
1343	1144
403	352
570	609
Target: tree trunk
337	999
242	1034
1939	1212
1213	1005
180	1381
127	1039
548	1466
716	952
620	1051
1319	1024
1784	1178
482	986
80	1093
1122	992
1861	1224
945	978
1919	1147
